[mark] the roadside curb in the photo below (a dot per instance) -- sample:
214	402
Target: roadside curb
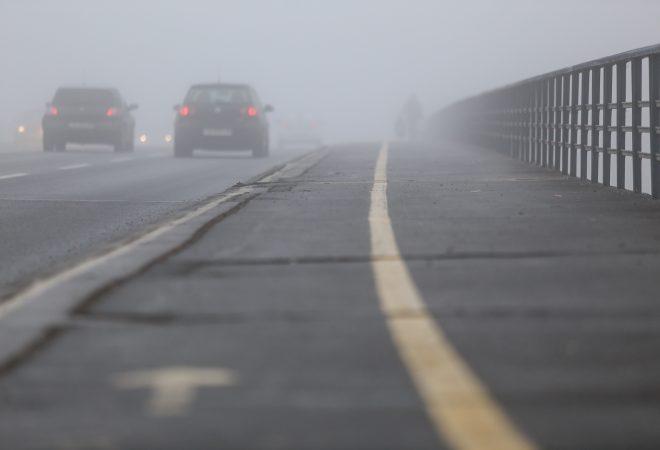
33	315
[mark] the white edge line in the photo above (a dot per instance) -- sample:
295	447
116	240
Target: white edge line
12	175
74	166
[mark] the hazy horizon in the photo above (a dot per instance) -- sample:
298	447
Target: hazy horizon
348	64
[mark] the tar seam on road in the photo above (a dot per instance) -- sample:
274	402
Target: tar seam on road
460	408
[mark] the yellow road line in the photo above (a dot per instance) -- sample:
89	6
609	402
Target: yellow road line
463	413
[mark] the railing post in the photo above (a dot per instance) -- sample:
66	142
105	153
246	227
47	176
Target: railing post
584	122
636	82
654	123
621	74
550	120
520	100
566	121
513	127
575	78
521	122
547	151
556	164
537	133
544	123
542	88
530	124
607	122
595	120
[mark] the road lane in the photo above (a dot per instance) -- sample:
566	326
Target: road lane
546	286
64	206
459	405
42	162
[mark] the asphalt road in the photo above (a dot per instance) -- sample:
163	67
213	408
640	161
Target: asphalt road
58	208
524	315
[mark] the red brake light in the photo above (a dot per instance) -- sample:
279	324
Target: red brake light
251	111
112	112
184	111
53	111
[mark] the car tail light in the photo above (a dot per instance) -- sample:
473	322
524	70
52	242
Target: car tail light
112	112
184	111
53	111
251	111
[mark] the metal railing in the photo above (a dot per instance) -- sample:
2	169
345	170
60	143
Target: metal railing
577	120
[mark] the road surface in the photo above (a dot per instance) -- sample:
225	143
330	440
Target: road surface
390	297
58	208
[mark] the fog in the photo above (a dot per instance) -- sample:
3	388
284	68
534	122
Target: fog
349	64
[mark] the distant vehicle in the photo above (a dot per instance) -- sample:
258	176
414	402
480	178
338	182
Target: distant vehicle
221	117
85	115
154	139
299	132
27	130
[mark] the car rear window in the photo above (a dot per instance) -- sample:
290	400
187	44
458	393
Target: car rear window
218	94
84	97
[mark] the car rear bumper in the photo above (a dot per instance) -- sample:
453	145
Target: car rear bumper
241	138
94	133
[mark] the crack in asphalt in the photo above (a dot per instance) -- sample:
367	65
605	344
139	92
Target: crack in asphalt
192	266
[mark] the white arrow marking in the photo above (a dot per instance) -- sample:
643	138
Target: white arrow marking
173	389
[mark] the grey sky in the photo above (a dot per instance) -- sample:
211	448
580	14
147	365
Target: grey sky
350	63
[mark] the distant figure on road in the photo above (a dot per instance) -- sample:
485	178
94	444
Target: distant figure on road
412	115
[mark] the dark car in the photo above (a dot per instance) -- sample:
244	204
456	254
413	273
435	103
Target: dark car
221	117
85	115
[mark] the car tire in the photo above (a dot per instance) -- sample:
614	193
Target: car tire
123	145
48	144
182	150
130	143
262	149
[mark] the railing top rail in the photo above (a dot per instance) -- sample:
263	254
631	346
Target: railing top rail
600	62
642	52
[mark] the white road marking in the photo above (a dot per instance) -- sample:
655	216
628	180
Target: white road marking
73	166
173	389
458	404
119	160
88	200
12	175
